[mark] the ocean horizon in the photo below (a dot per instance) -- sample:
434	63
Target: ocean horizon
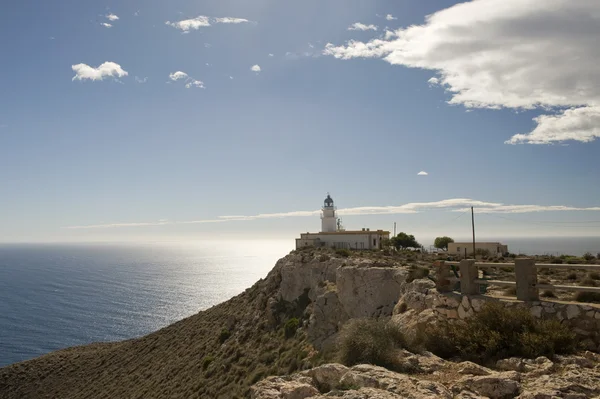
54	296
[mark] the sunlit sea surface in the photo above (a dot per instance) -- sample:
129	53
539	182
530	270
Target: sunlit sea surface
56	296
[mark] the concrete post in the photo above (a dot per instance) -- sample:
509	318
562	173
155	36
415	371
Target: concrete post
442	272
526	276
468	274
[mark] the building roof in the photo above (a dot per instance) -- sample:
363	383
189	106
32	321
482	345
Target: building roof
476	243
352	232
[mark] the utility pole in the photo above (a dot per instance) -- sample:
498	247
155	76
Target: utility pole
473	224
394	229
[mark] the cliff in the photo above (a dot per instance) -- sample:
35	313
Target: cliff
286	325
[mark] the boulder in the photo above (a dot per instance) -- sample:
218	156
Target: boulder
472	369
282	388
494	386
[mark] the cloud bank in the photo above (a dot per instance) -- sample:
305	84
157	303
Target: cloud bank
203	21
519	54
452	205
107	69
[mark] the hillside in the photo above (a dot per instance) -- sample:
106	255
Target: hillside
217	353
285	323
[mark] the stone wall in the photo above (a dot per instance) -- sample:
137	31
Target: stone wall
422	303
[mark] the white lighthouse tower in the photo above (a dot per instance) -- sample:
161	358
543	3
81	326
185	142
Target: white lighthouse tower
328	217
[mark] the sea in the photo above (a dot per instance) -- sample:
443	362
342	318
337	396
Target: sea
54	296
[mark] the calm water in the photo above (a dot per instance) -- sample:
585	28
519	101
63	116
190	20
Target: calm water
55	296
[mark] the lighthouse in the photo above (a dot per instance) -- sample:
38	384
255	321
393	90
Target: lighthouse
328	216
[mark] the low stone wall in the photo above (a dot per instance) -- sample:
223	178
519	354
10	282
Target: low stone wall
423	301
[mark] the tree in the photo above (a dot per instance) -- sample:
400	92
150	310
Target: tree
404	240
442	242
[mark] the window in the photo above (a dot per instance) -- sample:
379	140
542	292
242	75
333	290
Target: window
374	242
457	249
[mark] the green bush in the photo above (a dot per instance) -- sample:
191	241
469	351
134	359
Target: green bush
572	276
417	273
548	294
370	341
290	327
594	276
557	261
588	282
587	297
224	335
498	332
343	252
588	256
207	361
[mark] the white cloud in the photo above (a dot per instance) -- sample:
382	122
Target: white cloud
453	205
390	17
271	55
137	13
422	173
188	24
363	27
106	25
433	81
141	80
578	124
229	20
203	21
519	54
231	77
255	68
112	17
178	75
189	81
195	83
107	69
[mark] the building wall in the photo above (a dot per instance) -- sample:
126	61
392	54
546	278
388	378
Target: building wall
328	220
495	249
366	240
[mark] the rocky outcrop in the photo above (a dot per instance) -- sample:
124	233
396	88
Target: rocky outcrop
339	289
567	377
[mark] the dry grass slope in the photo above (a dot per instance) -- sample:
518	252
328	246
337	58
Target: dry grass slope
189	359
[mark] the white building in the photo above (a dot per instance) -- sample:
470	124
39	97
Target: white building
494	248
334	236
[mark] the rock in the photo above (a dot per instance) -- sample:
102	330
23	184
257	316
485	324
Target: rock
296	277
465	303
573	311
536	311
411	321
328	315
367	376
452	314
282	388
477	304
369	292
511	364
597	315
472	368
461	312
495	386
327	377
579	361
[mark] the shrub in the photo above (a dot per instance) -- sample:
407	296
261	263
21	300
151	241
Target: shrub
510	291
207	361
588	282
594	276
498	332
588	256
290	327
572	276
587	297
343	252
417	273
557	261
370	341
548	294
224	335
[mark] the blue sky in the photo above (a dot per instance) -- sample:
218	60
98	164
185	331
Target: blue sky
336	107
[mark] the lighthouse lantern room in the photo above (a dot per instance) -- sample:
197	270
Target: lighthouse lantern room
329	220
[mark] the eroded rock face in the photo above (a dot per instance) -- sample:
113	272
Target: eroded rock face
570	377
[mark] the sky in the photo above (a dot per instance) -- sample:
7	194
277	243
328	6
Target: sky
154	120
